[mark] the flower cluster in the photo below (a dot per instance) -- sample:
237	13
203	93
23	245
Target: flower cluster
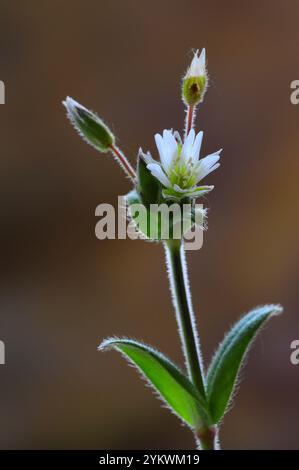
178	174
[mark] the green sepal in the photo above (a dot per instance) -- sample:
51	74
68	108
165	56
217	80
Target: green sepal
193	89
150	221
149	188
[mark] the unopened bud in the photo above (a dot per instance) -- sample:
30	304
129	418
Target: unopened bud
89	126
196	80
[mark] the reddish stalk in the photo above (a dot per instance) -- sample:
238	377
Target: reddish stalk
123	161
189	119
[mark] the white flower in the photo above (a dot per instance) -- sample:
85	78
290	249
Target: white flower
180	168
198	65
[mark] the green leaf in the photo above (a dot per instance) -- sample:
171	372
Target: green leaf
223	371
171	384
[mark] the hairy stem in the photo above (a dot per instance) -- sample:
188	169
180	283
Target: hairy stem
184	313
123	161
190	114
207	438
179	285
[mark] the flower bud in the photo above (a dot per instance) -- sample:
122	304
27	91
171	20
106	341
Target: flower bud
196	80
89	126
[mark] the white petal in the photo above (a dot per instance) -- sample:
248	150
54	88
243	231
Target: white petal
171	143
196	147
209	160
164	152
187	147
146	156
198	65
207	165
202	59
157	171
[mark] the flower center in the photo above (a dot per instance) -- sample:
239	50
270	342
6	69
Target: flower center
181	171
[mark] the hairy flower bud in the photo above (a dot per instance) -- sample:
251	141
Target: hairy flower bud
196	80
89	126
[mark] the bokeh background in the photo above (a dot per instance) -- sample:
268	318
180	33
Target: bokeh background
62	290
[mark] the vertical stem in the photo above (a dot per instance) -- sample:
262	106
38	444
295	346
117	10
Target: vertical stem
184	313
189	119
206	436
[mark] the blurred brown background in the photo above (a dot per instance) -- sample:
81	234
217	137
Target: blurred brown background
62	290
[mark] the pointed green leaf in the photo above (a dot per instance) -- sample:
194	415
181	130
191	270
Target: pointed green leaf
223	371
171	384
